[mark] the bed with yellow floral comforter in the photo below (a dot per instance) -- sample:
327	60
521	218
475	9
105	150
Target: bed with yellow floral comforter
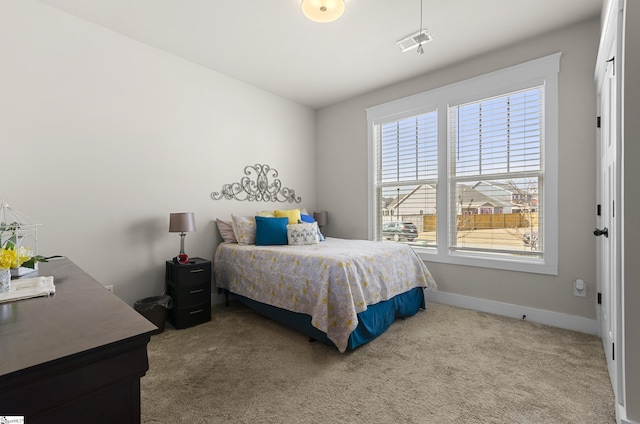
333	282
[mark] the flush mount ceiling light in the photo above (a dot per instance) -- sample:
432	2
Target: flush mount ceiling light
416	39
323	10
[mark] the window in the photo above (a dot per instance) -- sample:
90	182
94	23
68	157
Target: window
408	171
468	172
495	164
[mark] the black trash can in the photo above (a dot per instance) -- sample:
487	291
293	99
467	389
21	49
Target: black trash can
155	310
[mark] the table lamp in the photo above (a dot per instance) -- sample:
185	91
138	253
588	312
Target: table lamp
321	218
182	223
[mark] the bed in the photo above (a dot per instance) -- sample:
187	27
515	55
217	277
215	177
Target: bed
342	292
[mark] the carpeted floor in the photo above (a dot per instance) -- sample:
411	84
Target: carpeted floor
444	365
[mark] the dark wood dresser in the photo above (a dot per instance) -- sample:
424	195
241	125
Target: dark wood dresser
76	356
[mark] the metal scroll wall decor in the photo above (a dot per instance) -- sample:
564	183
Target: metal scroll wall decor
258	185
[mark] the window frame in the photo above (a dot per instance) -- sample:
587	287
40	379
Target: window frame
539	72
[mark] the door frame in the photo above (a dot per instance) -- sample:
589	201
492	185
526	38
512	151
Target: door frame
611	48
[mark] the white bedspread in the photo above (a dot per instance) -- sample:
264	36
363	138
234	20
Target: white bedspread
331	281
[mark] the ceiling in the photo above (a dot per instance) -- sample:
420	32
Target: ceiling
271	45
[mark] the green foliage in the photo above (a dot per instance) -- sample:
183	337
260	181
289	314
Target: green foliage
31	263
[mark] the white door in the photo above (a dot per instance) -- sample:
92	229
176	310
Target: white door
607	231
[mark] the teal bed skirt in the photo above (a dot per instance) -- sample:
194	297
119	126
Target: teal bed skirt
372	322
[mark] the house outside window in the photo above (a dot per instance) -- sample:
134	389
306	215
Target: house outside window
474	167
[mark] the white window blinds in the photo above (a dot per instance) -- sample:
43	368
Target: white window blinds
408	149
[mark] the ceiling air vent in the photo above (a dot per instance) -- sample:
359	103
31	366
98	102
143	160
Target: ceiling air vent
414	40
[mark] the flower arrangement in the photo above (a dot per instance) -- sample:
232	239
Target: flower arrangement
12	255
18	242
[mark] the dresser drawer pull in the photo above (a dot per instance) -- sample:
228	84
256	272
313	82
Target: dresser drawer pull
196	291
196	270
196	312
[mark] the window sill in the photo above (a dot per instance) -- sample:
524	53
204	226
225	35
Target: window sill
530	265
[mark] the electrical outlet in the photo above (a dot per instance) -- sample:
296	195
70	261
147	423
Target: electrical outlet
109	288
579	288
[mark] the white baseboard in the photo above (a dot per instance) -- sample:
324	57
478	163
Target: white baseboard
621	415
541	316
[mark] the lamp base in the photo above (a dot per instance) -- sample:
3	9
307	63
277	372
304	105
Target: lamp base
182	258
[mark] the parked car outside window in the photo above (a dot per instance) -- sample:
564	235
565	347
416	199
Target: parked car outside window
398	231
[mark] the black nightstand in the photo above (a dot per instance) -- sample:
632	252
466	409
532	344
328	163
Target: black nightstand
189	286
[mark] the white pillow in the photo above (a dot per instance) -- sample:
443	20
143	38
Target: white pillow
225	228
301	234
244	228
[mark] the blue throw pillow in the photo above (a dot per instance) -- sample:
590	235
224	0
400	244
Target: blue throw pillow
271	231
309	219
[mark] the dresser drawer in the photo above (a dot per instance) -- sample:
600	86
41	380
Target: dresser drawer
188	317
186	297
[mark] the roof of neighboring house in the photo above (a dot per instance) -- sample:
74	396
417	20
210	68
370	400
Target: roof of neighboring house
399	200
469	198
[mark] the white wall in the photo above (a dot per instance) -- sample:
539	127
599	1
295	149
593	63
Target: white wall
102	137
342	171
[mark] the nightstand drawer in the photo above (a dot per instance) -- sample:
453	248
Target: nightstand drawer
186	297
188	317
196	273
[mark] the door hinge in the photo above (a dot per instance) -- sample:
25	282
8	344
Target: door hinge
599	298
599	210
613	59
613	351
598	122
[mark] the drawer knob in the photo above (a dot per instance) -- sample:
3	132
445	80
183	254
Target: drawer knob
196	291
196	312
196	270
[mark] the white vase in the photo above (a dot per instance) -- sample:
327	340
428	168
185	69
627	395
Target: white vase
5	280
